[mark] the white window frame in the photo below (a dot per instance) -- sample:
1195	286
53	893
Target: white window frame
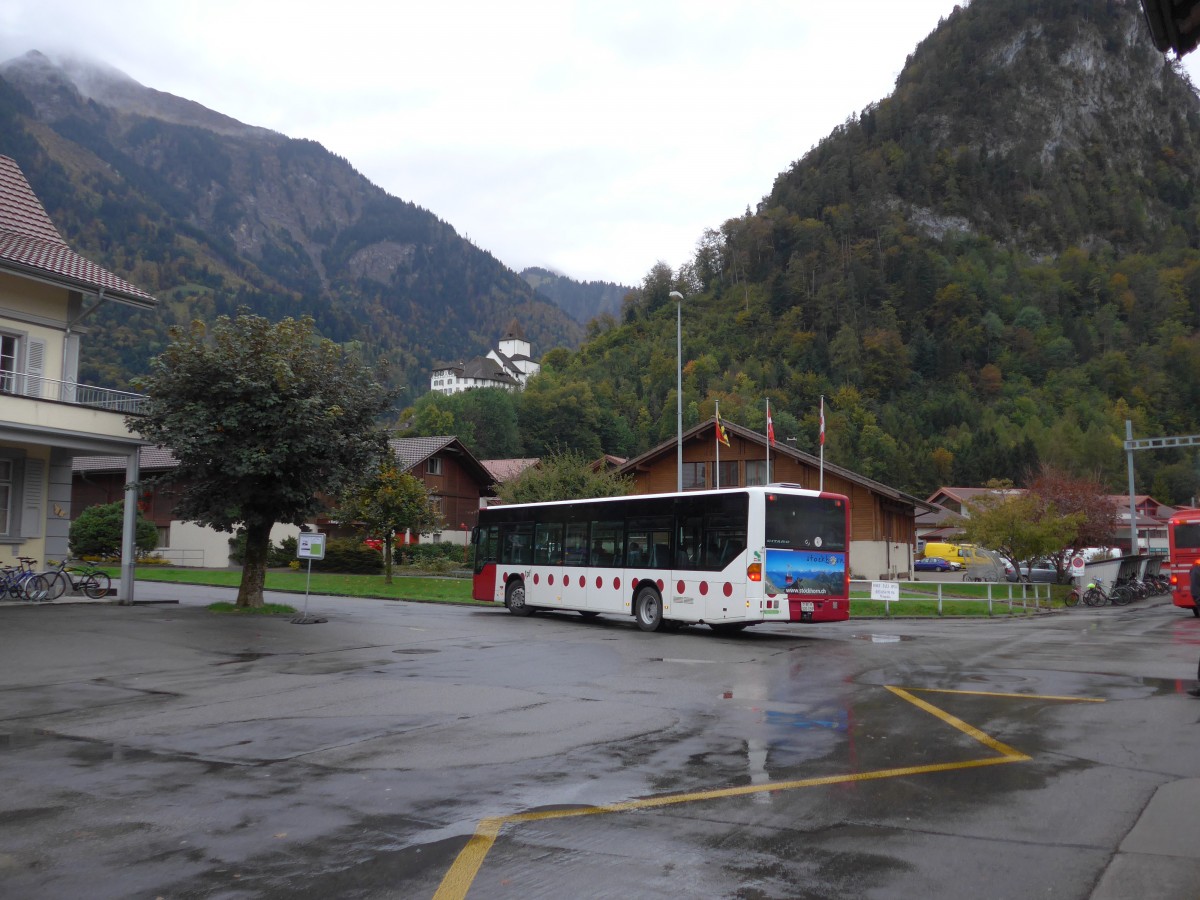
10	373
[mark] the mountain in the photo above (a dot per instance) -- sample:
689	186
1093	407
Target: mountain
988	271
582	301
211	214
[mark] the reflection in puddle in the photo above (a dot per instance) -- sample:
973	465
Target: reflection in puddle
884	638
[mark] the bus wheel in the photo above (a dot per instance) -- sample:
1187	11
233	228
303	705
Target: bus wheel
727	627
514	598
1196	611
647	608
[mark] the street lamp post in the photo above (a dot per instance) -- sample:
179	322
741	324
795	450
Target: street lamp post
678	298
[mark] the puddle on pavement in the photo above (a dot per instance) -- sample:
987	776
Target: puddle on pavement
884	638
242	658
687	662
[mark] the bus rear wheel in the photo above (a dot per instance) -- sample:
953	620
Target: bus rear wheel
514	598
647	609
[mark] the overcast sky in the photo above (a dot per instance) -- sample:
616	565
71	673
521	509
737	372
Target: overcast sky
593	138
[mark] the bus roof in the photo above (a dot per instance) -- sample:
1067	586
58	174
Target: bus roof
774	487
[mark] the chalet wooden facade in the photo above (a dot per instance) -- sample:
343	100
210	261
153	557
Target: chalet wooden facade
882	519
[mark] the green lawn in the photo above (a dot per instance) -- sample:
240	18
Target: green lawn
403	587
918	599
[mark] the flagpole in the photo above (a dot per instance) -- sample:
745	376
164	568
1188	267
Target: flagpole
822	440
717	404
768	481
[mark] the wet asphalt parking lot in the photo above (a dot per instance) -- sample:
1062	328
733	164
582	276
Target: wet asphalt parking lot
411	751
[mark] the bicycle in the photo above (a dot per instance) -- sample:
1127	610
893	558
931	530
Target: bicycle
89	580
20	582
1095	595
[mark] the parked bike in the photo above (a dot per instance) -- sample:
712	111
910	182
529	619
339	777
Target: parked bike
21	582
87	579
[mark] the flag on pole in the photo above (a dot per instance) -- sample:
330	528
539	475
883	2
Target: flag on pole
770	426
822	436
722	434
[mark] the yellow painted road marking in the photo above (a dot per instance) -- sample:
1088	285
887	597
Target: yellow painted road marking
1007	694
954	721
466	866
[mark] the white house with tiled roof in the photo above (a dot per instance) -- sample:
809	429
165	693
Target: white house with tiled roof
508	366
47	293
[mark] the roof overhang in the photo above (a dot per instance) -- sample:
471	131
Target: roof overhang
33	273
82	442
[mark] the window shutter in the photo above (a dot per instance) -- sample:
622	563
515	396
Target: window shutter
35	367
32	515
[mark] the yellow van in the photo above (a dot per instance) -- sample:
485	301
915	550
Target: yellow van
963	554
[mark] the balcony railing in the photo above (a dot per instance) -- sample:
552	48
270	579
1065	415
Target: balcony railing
40	388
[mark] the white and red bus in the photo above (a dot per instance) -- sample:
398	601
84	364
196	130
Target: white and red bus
1183	534
726	559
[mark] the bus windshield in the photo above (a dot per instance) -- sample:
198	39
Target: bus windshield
1187	536
805	523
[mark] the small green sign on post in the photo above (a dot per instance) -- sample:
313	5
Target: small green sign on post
310	545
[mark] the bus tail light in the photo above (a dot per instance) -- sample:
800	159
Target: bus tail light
754	571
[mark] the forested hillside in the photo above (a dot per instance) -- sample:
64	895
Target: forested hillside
991	269
581	300
210	214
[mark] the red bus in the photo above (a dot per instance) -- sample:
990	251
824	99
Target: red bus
726	559
1183	532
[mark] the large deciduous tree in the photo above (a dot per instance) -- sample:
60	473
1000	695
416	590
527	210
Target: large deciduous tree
263	419
387	502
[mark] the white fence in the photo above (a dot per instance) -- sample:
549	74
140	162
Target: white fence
1011	597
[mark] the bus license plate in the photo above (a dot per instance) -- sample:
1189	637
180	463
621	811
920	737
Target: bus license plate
806	606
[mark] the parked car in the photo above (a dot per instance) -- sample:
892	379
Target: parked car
935	564
1042	572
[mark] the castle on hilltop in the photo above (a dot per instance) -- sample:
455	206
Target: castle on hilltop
507	366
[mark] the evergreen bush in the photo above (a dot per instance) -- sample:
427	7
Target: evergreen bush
349	555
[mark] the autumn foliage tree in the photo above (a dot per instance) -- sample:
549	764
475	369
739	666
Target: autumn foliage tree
1085	497
264	419
1019	526
389	501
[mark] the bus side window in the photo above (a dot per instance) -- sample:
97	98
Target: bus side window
548	544
516	546
575	545
607	539
690	543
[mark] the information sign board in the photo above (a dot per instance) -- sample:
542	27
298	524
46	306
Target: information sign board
310	545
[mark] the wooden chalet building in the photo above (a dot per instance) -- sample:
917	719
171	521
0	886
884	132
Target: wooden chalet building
455	479
882	519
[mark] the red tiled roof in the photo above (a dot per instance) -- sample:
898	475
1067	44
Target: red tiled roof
29	242
504	469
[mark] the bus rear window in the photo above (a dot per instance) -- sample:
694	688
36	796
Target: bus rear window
805	523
